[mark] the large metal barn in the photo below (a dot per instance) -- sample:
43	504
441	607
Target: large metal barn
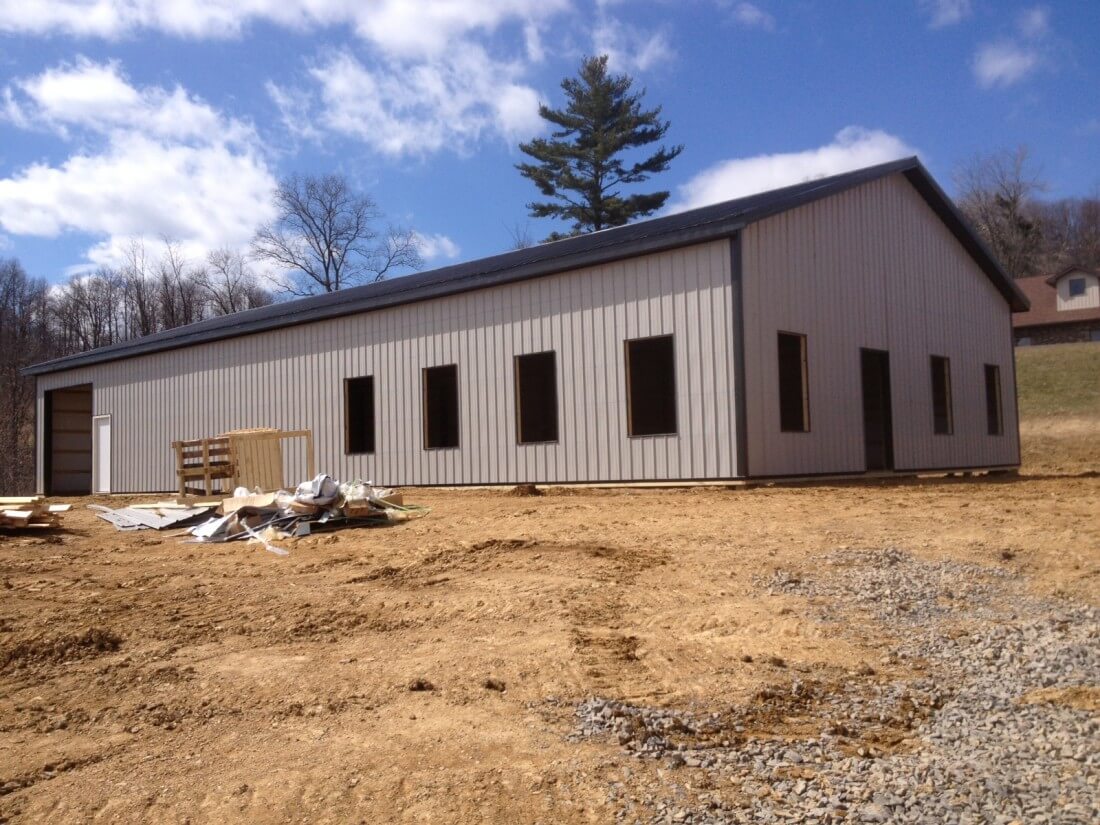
845	325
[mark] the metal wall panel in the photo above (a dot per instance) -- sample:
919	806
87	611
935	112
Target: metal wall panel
293	379
872	267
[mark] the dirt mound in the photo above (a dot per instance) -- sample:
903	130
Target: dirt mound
524	490
94	641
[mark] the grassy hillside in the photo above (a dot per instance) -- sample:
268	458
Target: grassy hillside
1061	379
1059	407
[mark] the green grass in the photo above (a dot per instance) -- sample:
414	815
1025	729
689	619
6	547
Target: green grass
1059	380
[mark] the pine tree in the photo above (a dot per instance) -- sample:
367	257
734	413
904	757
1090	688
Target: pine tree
581	166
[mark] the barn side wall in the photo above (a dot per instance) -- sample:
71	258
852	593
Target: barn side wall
872	267
293	379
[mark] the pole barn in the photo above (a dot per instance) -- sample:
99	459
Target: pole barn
845	325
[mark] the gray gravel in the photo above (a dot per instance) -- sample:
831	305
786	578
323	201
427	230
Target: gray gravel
972	752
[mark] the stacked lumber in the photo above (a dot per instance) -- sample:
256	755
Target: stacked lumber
30	512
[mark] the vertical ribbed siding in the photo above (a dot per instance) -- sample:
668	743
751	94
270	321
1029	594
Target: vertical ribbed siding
872	267
294	379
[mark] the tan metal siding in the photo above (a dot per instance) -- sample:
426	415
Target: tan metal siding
872	267
293	378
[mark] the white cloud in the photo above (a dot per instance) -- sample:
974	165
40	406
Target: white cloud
629	48
943	13
96	96
399	26
430	27
1034	22
152	162
852	148
1007	61
413	108
752	16
1004	63
295	110
434	247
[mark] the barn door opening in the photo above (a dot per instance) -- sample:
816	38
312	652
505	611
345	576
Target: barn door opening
101	454
68	448
878	424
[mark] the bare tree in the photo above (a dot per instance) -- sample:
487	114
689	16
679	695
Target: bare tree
24	339
180	299
997	193
89	311
521	236
139	308
229	284
325	237
1071	232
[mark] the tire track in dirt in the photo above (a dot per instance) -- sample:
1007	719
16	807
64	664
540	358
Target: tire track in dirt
605	646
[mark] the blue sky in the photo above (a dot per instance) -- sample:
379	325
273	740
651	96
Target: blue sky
124	119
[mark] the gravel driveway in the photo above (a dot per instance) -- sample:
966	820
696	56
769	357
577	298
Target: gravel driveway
1000	724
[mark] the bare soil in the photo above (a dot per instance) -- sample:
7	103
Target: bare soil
428	672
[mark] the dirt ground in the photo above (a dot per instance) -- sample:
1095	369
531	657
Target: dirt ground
143	679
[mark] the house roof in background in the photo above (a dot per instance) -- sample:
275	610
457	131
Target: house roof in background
1042	292
1069	270
694	226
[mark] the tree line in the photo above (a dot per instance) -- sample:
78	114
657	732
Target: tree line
149	293
1001	194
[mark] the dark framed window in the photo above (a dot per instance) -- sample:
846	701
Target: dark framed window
943	414
794	384
993	414
1076	287
650	386
359	414
441	407
536	398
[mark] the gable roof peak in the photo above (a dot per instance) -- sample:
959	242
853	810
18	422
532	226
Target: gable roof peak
1069	270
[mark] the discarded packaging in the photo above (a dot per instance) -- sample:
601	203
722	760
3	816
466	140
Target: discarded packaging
317	504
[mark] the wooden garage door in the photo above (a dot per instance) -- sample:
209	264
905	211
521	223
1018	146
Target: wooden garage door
70	441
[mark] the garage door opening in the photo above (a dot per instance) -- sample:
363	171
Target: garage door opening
68	447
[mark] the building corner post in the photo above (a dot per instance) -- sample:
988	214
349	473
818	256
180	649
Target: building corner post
741	456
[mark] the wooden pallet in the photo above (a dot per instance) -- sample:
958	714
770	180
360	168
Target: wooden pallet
250	458
205	460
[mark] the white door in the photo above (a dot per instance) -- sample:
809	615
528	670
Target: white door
101	454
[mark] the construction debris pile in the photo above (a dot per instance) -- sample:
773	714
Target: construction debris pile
30	512
320	504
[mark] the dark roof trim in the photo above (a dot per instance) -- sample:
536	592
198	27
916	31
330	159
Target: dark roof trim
1057	276
659	234
962	230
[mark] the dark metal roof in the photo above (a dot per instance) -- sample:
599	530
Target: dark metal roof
694	226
